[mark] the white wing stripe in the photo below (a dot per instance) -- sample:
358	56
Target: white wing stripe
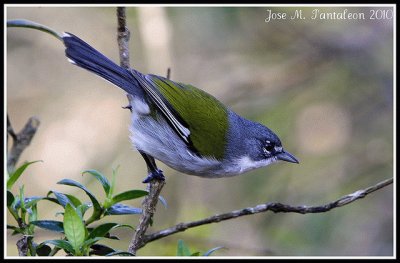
178	126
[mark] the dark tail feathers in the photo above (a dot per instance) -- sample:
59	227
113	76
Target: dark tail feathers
82	54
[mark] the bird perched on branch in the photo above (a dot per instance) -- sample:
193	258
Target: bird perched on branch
181	125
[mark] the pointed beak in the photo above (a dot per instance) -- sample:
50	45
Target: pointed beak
288	157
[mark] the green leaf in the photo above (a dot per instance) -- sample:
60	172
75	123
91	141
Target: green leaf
129	195
15	204
182	250
89	242
97	210
28	202
12	208
32	201
74	228
73	200
16	230
62	199
102	230
32	217
209	252
10	198
82	209
101	178
96	204
120	209
195	254
22	198
17	173
63	244
51	225
113	179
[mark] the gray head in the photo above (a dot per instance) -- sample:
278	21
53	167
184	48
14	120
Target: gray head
252	145
266	145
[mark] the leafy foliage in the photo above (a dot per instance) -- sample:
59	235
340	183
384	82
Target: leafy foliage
14	176
80	239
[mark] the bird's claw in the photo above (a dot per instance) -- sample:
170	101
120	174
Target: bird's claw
129	107
154	175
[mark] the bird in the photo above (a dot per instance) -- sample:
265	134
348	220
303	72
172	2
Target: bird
180	125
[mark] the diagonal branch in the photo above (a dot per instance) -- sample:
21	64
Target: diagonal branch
21	140
149	208
274	207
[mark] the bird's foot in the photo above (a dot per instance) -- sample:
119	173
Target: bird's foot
154	175
129	107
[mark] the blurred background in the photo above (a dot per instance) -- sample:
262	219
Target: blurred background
324	86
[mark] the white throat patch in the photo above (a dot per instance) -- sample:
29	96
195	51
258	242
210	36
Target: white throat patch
245	163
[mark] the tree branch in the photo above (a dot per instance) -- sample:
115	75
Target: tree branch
149	207
22	246
20	140
274	207
123	38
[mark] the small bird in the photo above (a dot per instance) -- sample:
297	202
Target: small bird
181	125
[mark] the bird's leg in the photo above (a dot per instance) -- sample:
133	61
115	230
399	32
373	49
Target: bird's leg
154	172
129	106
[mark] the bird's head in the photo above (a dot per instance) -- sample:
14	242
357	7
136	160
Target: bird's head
262	147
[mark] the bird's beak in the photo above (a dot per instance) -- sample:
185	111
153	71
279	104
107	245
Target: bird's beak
288	157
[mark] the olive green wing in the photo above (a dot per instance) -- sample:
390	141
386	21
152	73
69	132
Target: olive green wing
196	116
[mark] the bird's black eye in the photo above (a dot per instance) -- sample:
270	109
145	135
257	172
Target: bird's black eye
268	147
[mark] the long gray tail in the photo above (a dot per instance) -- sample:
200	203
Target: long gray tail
83	55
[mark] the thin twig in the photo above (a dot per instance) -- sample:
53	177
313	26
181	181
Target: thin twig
20	140
274	207
123	38
22	245
10	129
168	73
